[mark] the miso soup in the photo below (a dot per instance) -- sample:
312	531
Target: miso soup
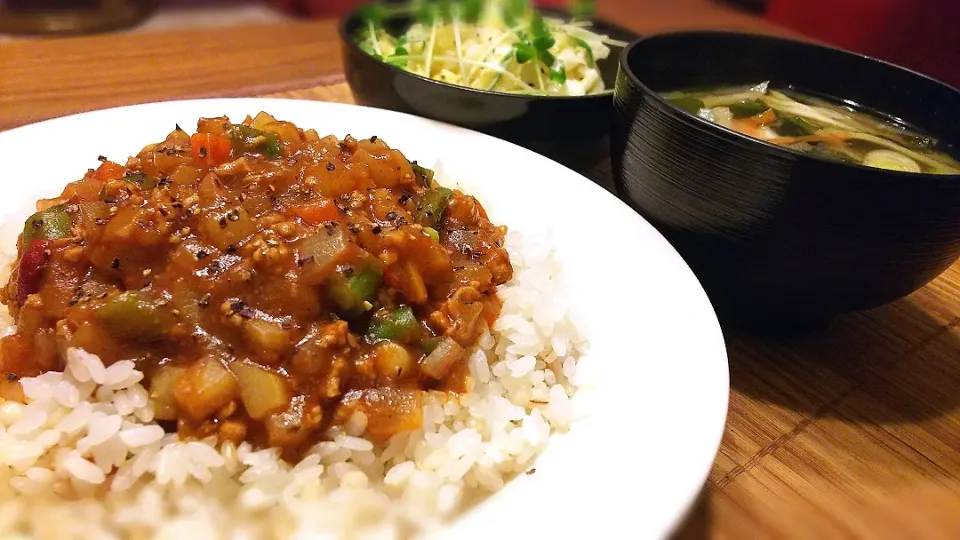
824	128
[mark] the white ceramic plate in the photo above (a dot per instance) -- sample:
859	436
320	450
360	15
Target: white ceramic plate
658	359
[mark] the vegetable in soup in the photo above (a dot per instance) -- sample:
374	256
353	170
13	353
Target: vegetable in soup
823	128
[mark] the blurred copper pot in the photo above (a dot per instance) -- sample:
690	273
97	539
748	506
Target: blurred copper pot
70	16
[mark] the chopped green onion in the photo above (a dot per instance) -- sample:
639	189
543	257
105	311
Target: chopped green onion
539	31
544	43
525	52
547	58
558	75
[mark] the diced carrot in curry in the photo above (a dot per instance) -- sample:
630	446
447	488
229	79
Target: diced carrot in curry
316	211
209	149
109	170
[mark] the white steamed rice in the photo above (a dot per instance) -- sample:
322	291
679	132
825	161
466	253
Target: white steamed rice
84	459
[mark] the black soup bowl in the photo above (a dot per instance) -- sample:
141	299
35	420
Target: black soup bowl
573	130
776	237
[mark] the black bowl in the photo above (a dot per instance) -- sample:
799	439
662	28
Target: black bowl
774	235
572	130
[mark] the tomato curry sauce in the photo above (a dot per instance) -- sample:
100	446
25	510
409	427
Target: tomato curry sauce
268	282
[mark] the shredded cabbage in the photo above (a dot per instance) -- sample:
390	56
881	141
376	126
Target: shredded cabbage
488	54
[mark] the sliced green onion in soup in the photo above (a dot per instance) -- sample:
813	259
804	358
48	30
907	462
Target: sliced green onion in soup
890	160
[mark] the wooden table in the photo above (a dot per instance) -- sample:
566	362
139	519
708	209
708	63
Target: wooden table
854	432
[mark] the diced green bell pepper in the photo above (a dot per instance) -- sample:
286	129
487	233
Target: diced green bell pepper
424	175
748	108
432	206
398	325
350	293
51	224
248	139
141	179
132	315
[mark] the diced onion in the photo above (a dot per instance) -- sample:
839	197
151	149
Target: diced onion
162	384
321	252
205	387
263	392
268	337
288	428
439	362
722	115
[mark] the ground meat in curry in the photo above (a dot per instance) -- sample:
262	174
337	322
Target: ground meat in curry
268	281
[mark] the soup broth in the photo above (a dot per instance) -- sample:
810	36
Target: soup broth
832	130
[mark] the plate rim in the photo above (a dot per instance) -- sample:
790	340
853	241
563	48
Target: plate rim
683	507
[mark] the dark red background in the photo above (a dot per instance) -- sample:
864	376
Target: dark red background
923	35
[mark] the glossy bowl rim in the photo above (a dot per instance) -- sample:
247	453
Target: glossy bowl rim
625	68
606	93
